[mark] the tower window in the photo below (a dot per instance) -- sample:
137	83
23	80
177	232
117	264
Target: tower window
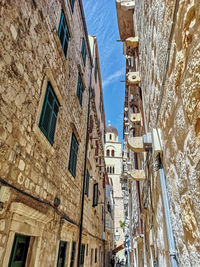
113	153
108	153
110	136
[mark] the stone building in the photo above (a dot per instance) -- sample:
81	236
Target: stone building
50	184
113	159
161	130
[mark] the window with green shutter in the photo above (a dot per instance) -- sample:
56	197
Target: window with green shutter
72	4
73	254
95	195
82	254
73	155
83	51
63	33
80	89
61	254
49	114
19	251
95	72
87	183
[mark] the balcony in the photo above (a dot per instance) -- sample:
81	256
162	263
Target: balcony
138	175
136	144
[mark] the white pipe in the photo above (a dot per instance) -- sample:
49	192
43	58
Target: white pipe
171	242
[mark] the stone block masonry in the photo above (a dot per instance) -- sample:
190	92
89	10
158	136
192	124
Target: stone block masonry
44	198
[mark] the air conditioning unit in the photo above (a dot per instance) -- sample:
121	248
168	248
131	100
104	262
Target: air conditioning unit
132	42
156	142
135	117
128	5
133	78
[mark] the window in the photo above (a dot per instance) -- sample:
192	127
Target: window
95	72
113	153
87	250
80	89
82	256
87	181
19	251
83	51
73	155
95	256
49	114
72	4
110	136
91	260
73	254
61	254
63	33
108	153
95	195
113	169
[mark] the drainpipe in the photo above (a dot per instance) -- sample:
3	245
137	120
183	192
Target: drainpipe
84	174
171	242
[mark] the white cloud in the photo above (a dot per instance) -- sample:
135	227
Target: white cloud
113	77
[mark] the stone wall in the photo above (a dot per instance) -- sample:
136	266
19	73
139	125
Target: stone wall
33	171
171	93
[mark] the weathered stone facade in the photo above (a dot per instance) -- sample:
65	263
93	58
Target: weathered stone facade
113	159
39	196
167	62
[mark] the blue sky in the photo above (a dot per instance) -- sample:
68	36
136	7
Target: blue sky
101	21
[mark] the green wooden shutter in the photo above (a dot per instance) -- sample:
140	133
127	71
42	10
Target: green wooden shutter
61	254
87	181
63	33
82	256
73	254
95	195
49	114
19	251
73	155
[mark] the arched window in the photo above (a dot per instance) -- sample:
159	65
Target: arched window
110	136
113	169
110	169
108	153
113	153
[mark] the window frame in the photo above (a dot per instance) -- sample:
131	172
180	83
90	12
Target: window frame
73	254
59	253
87	183
66	33
16	241
51	129
95	195
80	89
83	51
73	156
72	3
82	254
